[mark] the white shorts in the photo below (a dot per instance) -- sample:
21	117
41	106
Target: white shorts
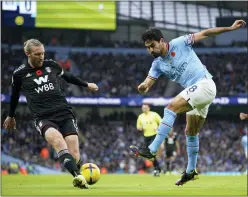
200	96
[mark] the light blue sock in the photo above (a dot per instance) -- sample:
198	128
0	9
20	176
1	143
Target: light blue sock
163	129
192	143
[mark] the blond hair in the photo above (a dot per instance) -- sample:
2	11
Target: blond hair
31	43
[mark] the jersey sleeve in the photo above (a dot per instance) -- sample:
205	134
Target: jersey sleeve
58	69
186	40
154	72
16	80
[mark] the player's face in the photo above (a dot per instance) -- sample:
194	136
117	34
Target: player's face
155	47
37	56
145	108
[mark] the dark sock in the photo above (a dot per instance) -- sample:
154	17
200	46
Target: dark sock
156	165
68	162
79	163
168	166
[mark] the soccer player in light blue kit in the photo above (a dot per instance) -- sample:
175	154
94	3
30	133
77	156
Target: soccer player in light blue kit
178	61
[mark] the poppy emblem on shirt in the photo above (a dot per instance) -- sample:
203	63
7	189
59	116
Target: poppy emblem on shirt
173	54
38	73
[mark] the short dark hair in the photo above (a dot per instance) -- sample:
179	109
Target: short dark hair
152	34
146	104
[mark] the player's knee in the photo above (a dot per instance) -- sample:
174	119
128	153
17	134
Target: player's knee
179	105
191	131
171	106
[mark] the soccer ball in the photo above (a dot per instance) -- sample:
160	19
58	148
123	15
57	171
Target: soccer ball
90	172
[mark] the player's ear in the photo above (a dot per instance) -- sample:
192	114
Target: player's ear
27	54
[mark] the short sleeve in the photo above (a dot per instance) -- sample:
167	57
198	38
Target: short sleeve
154	72
59	71
186	40
16	80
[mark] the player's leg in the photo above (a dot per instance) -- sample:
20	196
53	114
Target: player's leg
196	96
70	131
195	120
170	158
193	127
73	147
200	99
178	105
157	168
49	131
172	163
168	155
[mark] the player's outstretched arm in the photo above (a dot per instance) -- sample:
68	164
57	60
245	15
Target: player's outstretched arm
145	86
10	122
69	78
218	30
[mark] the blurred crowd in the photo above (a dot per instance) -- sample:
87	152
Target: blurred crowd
58	37
120	74
106	140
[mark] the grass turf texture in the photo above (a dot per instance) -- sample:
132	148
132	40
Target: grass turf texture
61	185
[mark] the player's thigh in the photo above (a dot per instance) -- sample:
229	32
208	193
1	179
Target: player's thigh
50	131
69	130
195	120
179	105
200	94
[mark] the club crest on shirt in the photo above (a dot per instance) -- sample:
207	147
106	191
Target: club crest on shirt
48	69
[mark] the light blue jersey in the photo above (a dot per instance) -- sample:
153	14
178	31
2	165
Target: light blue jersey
181	64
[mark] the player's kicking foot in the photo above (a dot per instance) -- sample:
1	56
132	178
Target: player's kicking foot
193	175
143	152
80	182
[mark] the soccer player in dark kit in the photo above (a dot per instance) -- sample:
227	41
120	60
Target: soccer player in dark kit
53	117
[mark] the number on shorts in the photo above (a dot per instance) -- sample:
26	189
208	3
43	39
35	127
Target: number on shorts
192	89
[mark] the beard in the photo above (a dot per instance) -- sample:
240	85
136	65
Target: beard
37	64
156	55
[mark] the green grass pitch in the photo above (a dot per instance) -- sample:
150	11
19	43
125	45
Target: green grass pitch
113	184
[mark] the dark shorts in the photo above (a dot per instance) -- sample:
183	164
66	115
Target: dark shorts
170	153
66	127
149	140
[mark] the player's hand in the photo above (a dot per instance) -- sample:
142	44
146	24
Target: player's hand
143	88
243	116
9	123
238	24
93	87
